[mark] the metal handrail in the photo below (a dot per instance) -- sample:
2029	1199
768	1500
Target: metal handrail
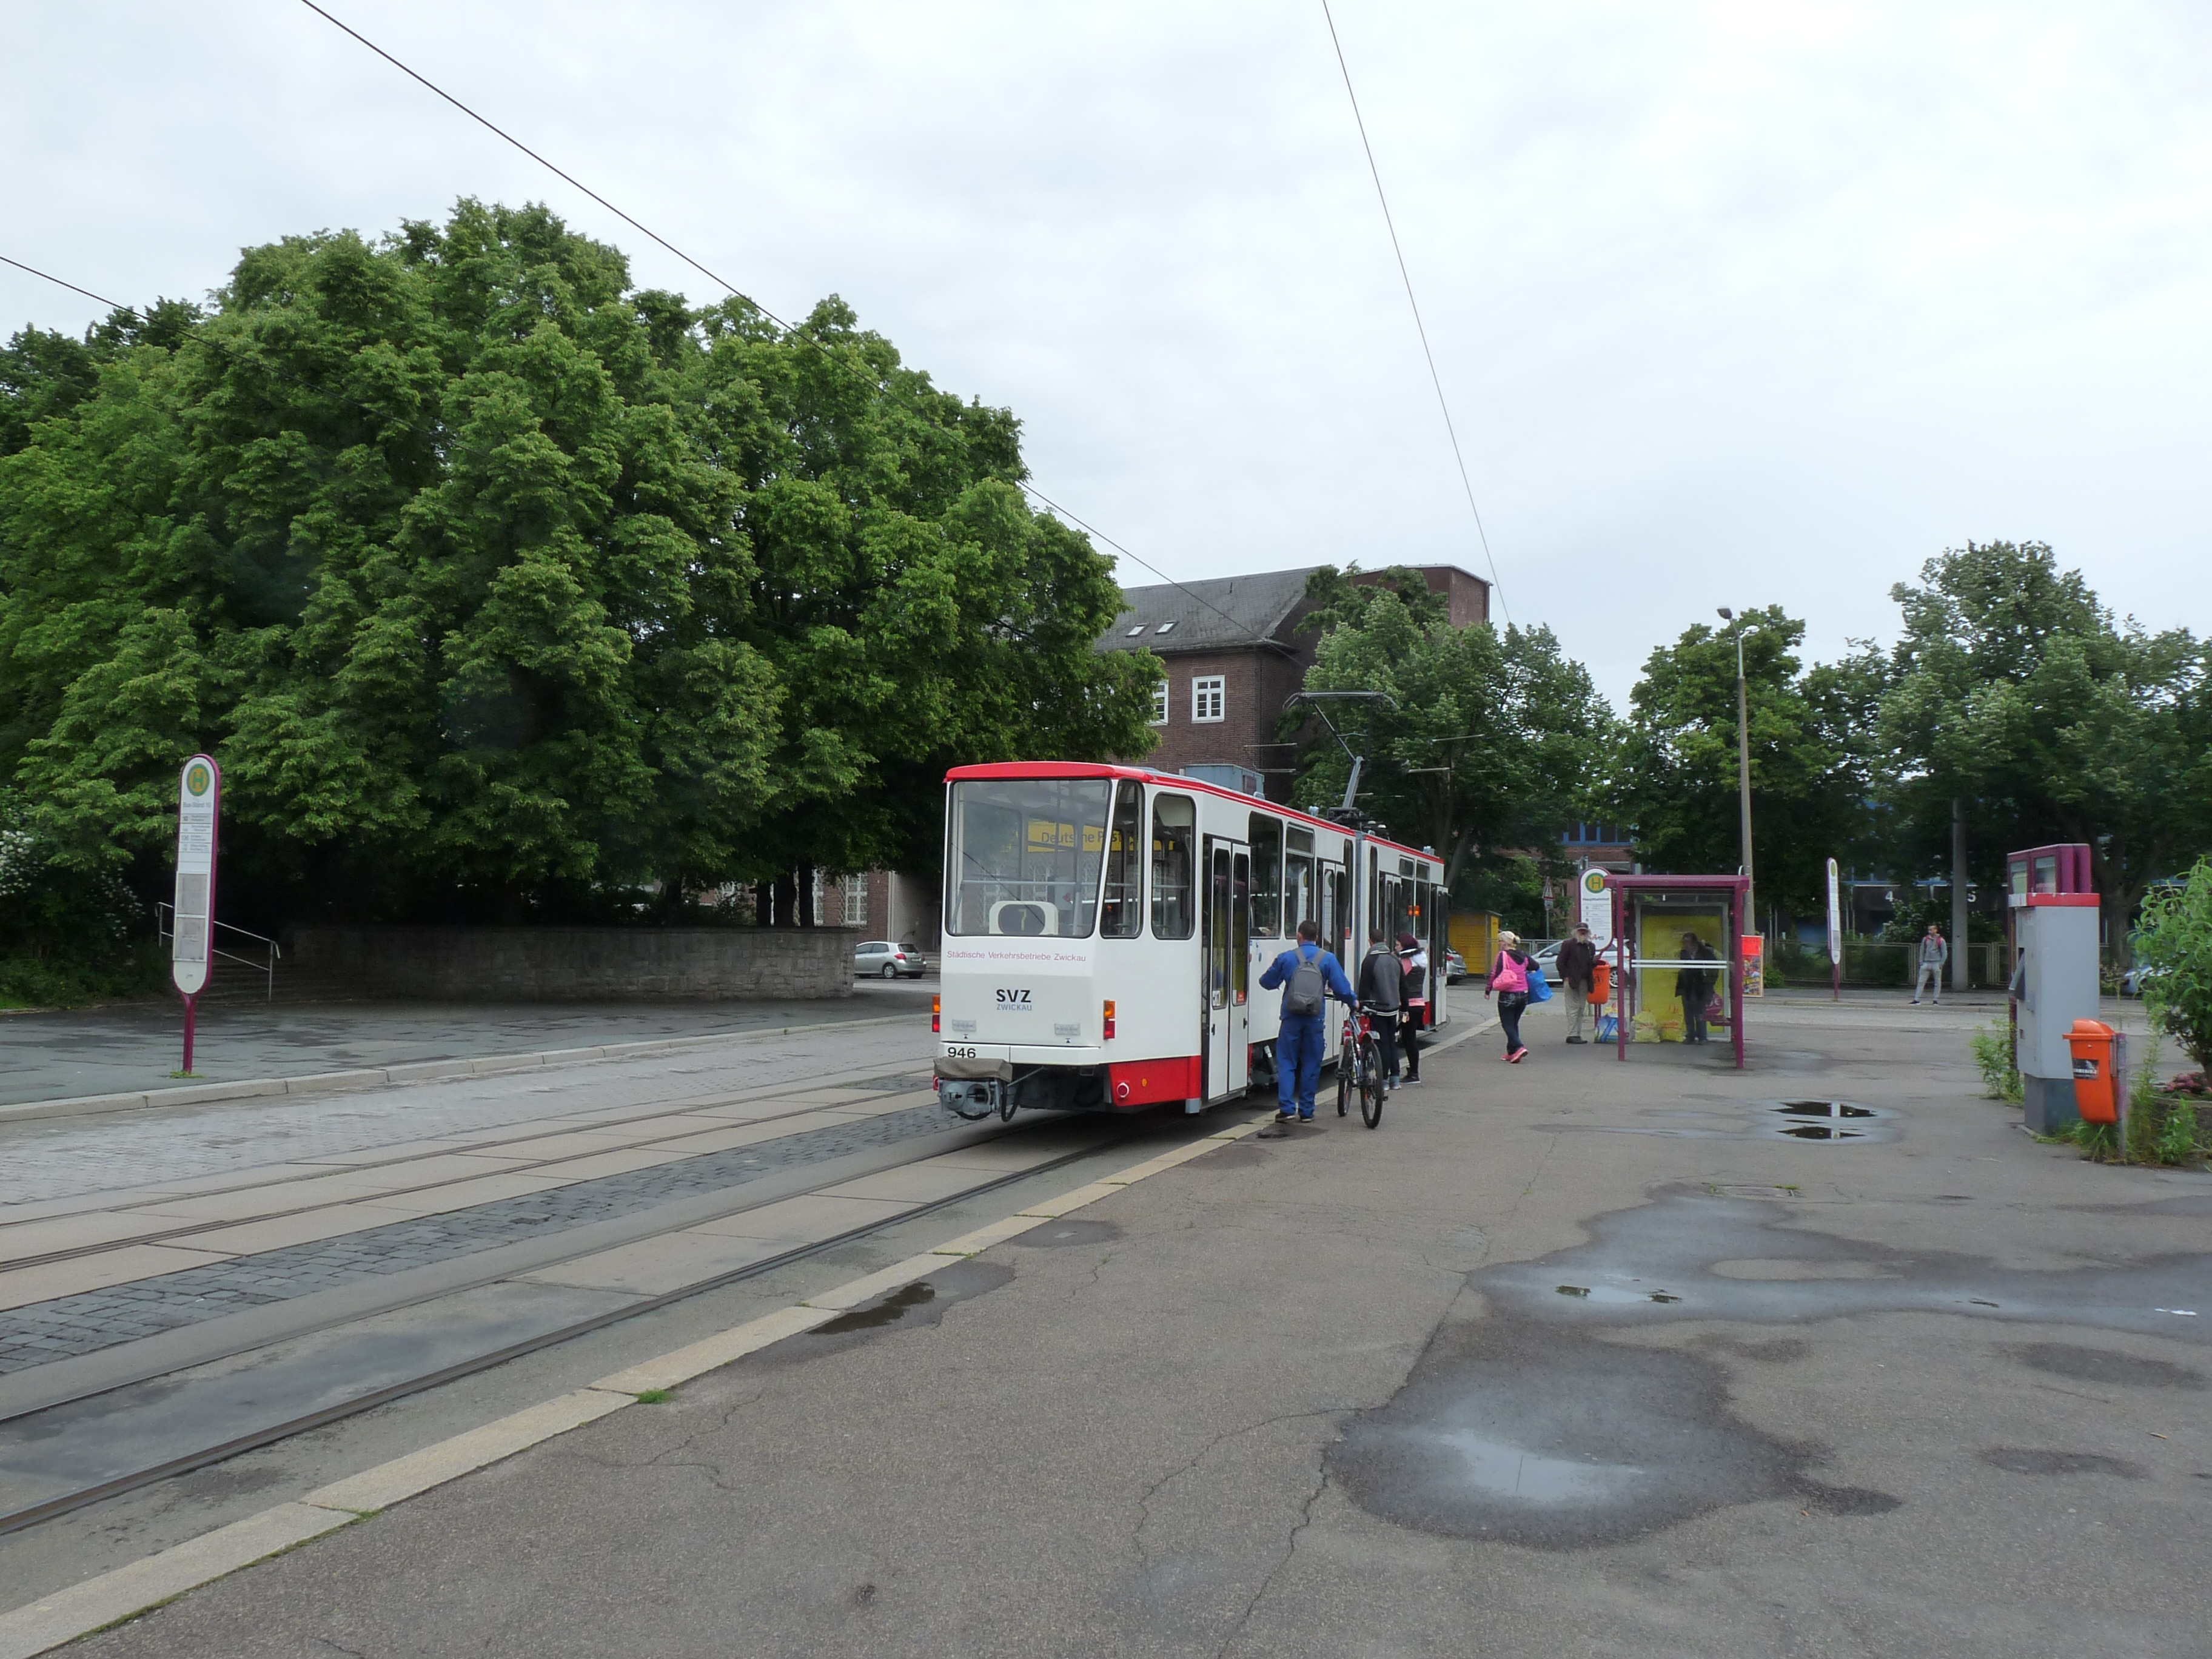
267	966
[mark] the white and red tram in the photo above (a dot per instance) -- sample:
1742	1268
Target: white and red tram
1106	927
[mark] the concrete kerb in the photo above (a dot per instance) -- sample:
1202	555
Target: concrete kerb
419	1070
111	1598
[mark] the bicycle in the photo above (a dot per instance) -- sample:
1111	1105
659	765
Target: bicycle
1359	1068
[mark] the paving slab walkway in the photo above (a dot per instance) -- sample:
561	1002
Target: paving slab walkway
136	1045
1567	1357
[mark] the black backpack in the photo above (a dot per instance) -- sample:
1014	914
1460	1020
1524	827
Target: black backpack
1304	992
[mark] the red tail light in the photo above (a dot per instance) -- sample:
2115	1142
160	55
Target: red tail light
1109	1019
936	1009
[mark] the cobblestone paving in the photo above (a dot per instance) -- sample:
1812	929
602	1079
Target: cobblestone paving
70	1325
57	1157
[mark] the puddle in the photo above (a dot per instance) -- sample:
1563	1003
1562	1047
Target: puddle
1529	1426
2013	1461
1514	1432
889	1311
1821	1132
1824	1109
1806	1120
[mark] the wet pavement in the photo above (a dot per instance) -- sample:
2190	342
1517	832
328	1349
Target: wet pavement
1567	1357
137	1045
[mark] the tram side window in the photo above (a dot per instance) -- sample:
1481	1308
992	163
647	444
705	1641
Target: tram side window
1121	912
1174	825
1299	900
1266	836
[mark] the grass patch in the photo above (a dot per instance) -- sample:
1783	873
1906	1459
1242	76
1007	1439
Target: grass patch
1992	1047
653	1396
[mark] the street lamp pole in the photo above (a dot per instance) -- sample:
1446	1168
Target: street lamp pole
1743	766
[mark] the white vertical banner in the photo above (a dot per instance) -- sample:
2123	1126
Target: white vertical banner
1835	918
1596	907
199	787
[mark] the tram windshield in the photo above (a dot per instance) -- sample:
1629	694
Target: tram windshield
1022	856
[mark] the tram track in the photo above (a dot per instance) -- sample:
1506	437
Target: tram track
53	1507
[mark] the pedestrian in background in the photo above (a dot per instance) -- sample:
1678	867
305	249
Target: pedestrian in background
1414	993
1307	974
1381	987
1694	985
1935	951
1509	978
1578	968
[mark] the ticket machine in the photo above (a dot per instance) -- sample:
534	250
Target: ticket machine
2054	929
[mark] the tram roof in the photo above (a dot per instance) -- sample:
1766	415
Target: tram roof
1145	773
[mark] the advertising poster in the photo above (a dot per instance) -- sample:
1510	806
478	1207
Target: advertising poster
1754	965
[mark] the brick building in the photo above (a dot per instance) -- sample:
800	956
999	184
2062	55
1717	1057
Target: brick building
1234	656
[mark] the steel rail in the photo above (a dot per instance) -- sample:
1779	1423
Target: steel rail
65	1502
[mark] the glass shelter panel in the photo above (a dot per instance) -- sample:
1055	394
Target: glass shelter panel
1022	856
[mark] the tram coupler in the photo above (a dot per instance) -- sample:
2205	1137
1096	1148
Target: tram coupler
974	1101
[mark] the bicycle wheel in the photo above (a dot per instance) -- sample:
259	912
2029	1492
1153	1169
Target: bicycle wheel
1347	1065
1370	1082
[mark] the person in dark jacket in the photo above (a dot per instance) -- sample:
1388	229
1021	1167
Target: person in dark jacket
1578	969
1381	985
1415	996
1694	985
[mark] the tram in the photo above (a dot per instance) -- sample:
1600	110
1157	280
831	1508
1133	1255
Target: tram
1106	927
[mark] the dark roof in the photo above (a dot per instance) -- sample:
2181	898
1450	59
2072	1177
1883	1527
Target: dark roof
1256	607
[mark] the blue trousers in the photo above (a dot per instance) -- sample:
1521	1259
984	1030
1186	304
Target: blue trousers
1298	1063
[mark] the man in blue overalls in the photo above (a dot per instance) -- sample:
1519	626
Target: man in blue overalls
1307	974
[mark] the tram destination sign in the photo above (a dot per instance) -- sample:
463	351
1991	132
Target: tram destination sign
199	793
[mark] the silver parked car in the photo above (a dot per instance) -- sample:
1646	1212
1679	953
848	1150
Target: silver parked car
882	958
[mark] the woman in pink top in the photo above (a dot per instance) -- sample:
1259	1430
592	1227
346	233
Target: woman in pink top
1508	977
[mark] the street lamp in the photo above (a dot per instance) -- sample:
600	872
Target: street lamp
1743	763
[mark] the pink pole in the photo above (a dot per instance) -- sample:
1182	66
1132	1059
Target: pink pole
191	1005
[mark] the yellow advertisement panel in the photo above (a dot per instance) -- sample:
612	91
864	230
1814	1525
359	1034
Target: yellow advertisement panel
1048	833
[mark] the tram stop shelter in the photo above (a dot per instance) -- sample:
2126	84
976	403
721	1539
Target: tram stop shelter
1650	914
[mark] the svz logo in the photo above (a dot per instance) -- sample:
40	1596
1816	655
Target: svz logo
1012	999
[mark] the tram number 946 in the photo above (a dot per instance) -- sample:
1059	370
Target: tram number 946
960	1054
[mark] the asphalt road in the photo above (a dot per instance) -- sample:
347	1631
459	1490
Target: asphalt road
1572	1357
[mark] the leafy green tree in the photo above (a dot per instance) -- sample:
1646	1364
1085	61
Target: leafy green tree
2014	689
1812	761
2175	948
497	584
1489	744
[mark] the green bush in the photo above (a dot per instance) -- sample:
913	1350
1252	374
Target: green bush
2173	948
66	936
1992	1046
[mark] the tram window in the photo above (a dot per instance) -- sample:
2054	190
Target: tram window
1298	840
1175	824
1022	856
1266	836
1299	900
1121	908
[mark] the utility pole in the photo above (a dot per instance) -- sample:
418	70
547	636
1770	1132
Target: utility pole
1743	768
1958	917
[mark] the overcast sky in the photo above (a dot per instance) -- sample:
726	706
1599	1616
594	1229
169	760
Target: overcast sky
1735	303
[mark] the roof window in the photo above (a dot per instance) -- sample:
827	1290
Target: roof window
1163	628
1138	629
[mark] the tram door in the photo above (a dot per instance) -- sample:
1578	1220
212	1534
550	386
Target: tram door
1228	928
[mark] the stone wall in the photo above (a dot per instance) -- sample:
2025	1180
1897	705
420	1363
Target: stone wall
577	965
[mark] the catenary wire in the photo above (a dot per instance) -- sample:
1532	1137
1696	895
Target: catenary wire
58	282
1420	327
719	281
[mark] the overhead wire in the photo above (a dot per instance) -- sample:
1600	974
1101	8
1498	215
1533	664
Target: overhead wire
58	283
720	281
1420	327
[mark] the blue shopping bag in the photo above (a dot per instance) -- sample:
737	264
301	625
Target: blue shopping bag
1608	1028
1540	989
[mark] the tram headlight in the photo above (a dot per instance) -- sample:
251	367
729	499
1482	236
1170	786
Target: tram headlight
1109	1019
936	1010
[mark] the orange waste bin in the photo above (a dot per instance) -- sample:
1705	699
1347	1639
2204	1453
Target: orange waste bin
2094	1084
1600	989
